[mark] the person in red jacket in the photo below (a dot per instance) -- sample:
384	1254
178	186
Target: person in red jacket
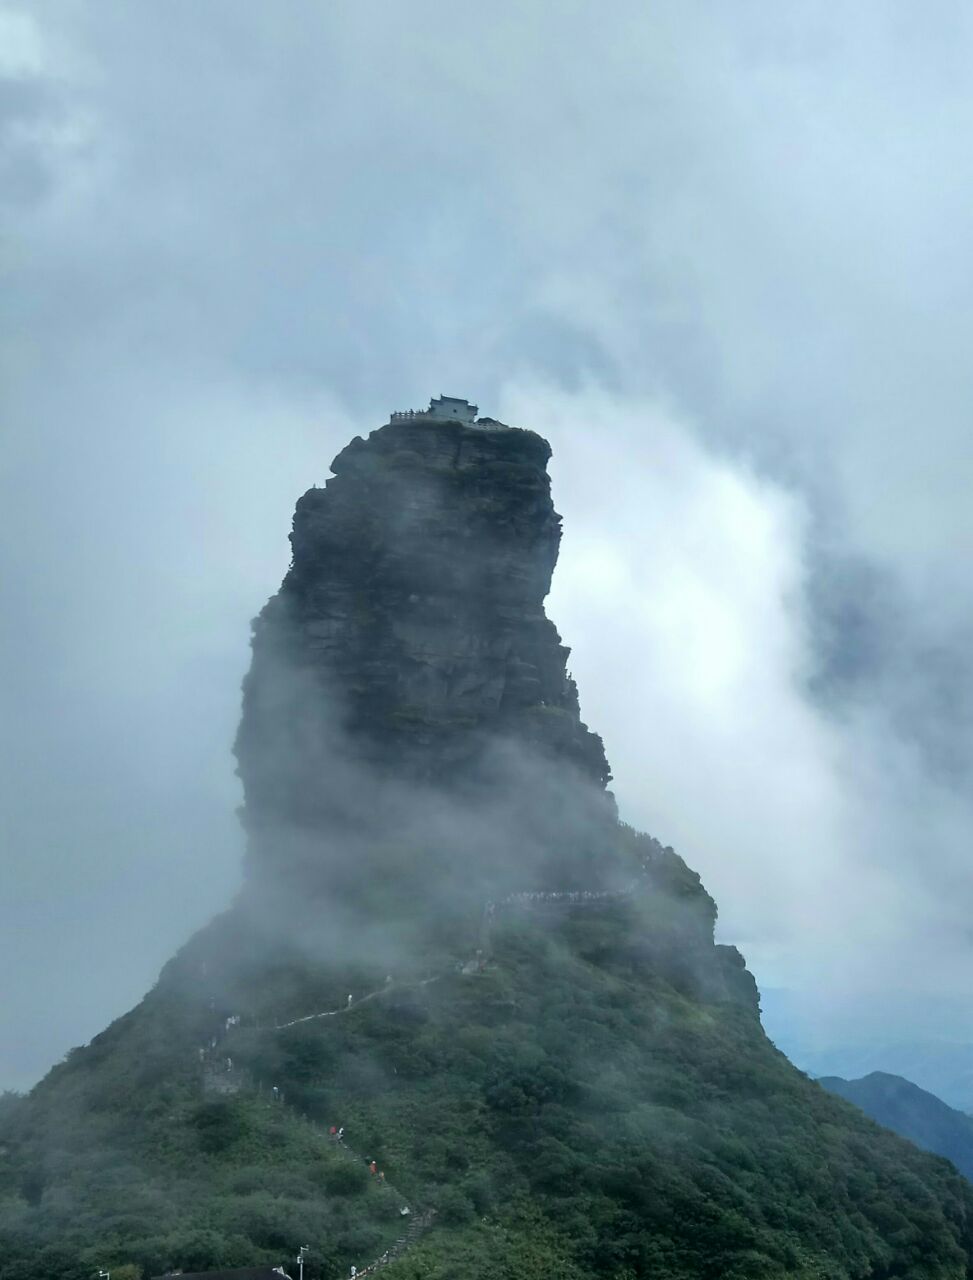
373	1167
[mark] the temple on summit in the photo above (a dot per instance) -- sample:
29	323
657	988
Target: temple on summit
445	409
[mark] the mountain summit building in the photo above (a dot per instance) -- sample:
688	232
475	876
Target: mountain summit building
445	409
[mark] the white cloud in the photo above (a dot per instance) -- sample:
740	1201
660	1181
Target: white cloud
21	43
227	227
681	588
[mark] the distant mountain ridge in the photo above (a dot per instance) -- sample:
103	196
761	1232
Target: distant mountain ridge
912	1113
941	1068
864	1034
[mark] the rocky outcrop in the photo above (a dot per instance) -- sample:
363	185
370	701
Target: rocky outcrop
448	942
409	635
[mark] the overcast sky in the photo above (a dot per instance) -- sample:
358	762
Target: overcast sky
719	254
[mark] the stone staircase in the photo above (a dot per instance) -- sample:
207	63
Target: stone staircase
417	1228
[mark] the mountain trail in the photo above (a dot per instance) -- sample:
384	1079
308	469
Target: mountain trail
227	1079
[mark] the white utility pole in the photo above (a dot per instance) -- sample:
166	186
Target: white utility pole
300	1260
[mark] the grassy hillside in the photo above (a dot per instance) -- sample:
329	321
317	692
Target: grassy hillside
598	1100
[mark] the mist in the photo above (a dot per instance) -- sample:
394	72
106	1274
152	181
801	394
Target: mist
719	259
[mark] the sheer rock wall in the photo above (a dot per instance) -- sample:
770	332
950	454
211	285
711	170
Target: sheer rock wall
409	634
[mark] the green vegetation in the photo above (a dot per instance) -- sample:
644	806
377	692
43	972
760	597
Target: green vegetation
906	1109
585	1107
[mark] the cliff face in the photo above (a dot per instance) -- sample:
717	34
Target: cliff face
409	636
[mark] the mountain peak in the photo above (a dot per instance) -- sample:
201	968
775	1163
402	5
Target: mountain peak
456	989
408	642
